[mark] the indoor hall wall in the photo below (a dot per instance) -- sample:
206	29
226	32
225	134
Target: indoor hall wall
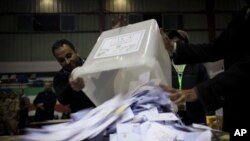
37	46
76	6
18	45
48	6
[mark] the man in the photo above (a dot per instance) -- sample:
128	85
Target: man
24	109
186	76
9	108
45	103
228	89
68	91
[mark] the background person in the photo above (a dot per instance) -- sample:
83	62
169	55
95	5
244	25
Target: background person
45	103
186	76
24	109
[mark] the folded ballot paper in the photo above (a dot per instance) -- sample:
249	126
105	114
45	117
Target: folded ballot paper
143	114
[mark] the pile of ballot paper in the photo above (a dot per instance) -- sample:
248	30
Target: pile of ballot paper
143	114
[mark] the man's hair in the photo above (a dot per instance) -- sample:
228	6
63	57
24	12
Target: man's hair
182	35
60	43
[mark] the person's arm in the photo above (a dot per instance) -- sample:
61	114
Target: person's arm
53	99
197	53
37	100
50	99
203	74
62	89
27	103
76	84
229	84
181	96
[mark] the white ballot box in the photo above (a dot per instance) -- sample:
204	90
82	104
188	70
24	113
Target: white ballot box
124	58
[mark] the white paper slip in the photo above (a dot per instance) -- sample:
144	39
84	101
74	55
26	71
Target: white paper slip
147	106
205	136
152	111
162	117
113	137
158	132
128	132
144	127
127	115
198	136
204	127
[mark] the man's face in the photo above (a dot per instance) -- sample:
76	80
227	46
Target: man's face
20	92
67	57
47	86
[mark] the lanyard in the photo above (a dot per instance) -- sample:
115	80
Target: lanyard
180	69
180	80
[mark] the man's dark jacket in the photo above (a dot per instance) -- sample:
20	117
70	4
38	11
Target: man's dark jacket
67	96
229	89
48	98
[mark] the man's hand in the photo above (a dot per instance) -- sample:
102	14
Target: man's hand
180	96
168	43
40	105
191	95
76	84
176	95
